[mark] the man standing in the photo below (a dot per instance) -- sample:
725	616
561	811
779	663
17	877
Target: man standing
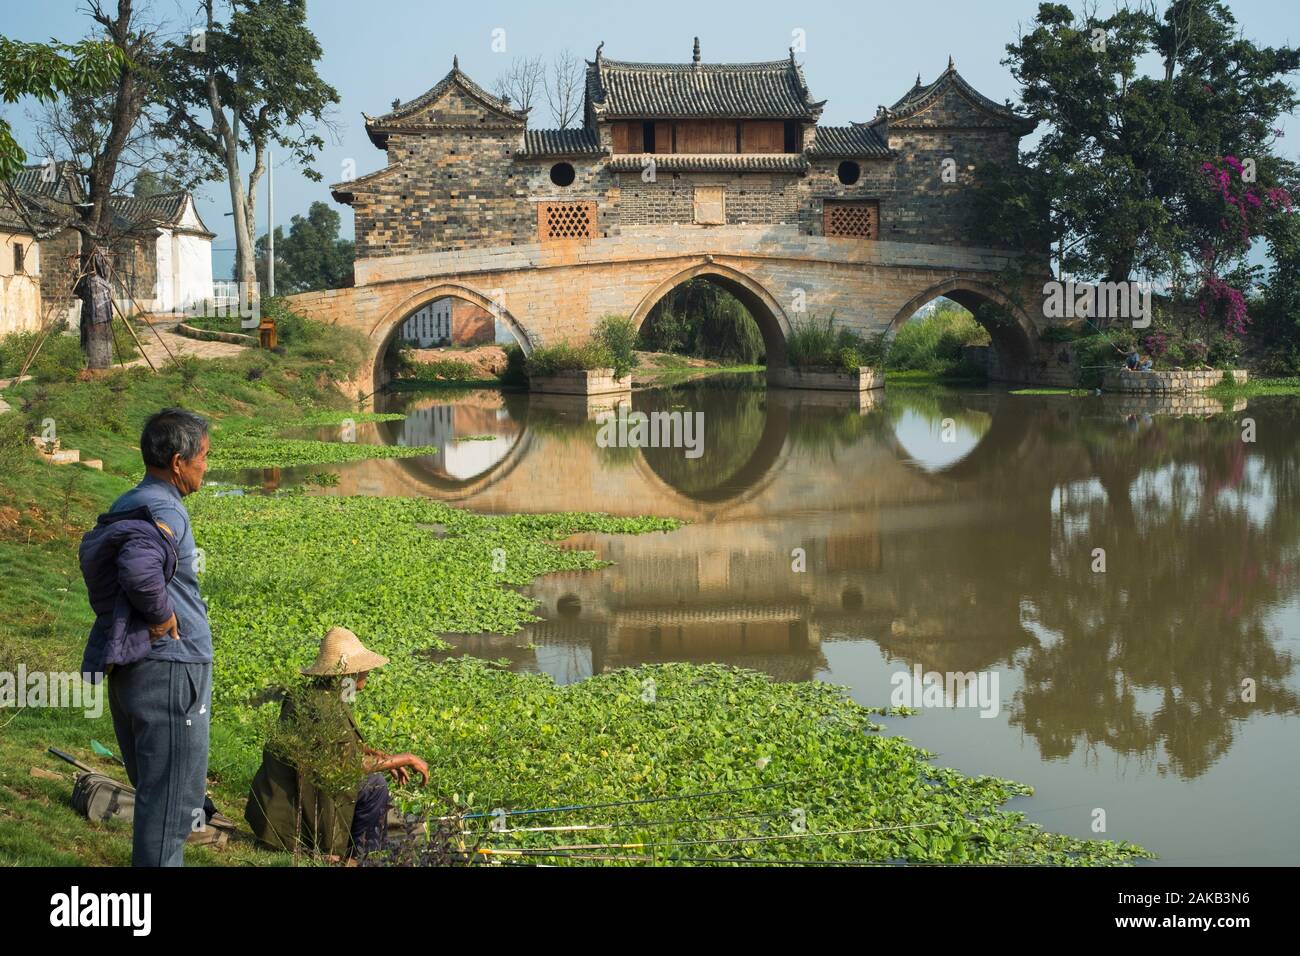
151	636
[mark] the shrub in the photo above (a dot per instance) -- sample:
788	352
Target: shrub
814	343
59	359
702	319
933	343
565	357
612	347
617	335
516	372
13	441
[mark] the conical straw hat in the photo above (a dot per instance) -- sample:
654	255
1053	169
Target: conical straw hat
341	652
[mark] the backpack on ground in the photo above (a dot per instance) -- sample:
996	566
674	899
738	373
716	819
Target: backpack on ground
101	798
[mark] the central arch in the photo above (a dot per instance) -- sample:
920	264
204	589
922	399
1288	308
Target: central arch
1015	341
762	305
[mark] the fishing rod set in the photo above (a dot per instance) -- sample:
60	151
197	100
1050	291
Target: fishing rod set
612	850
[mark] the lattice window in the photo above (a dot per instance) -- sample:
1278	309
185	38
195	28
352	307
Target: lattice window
566	220
860	220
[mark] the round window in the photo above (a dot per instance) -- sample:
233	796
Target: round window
849	172
562	174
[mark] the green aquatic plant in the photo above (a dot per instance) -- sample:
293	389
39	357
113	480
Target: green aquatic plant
282	569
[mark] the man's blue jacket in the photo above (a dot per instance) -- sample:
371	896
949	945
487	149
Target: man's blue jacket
127	559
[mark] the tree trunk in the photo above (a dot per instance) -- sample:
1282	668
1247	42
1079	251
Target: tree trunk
95	292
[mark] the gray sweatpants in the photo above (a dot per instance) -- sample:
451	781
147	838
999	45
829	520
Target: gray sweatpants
161	712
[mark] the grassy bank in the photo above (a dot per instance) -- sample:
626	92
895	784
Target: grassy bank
281	569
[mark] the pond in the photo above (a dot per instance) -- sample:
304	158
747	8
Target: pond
1095	596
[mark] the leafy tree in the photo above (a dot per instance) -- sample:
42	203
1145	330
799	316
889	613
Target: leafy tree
246	84
701	318
100	129
1116	186
150	183
312	256
46	71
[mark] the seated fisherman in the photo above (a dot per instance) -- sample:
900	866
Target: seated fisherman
319	785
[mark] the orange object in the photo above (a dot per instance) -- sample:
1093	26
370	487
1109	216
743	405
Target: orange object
266	332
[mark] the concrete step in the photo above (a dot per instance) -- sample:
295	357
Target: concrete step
65	456
95	463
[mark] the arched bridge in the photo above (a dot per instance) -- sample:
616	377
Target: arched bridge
557	291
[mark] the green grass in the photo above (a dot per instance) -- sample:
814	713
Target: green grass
1257	387
814	343
933	343
1048	390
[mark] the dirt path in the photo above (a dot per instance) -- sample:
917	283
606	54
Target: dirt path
178	344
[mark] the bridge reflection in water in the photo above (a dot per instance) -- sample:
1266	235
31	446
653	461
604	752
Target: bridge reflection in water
954	530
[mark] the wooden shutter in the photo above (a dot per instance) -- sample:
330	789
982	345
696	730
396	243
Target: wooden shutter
762	136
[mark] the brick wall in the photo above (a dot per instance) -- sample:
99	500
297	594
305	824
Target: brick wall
471	325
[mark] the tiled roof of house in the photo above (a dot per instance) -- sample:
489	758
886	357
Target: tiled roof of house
59	183
160	211
561	142
722	162
856	140
921	95
401	111
774	89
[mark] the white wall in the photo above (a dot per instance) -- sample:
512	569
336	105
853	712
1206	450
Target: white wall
20	294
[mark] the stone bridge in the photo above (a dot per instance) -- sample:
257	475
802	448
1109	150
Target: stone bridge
550	292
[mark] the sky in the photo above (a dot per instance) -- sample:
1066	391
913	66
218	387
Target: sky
856	55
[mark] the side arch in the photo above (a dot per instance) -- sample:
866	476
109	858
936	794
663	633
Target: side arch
381	332
390	320
1016	341
762	305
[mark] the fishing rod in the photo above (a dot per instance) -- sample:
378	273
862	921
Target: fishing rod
629	823
803	834
622	803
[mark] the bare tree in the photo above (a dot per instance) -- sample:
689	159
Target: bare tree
564	89
520	84
120	113
76	128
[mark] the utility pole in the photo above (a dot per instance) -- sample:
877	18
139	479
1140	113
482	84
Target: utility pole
270	223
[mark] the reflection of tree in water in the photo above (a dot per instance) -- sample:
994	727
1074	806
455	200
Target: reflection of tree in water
1154	651
734	422
823	430
935	405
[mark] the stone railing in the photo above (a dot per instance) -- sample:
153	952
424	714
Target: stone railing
1122	380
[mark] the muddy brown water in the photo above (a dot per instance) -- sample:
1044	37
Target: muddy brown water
928	536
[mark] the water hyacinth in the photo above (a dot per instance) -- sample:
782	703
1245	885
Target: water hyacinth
281	569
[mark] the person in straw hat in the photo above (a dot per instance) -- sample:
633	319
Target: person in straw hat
320	787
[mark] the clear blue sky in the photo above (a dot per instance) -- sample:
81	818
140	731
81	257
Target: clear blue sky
859	54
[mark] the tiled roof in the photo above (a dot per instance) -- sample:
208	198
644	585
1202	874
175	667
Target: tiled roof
161	211
561	142
401	111
62	186
856	140
921	95
775	89
725	162
345	192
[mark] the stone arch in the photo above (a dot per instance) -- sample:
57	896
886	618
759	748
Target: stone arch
1014	341
762	305
381	332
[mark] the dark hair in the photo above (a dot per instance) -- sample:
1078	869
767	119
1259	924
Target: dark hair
173	431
